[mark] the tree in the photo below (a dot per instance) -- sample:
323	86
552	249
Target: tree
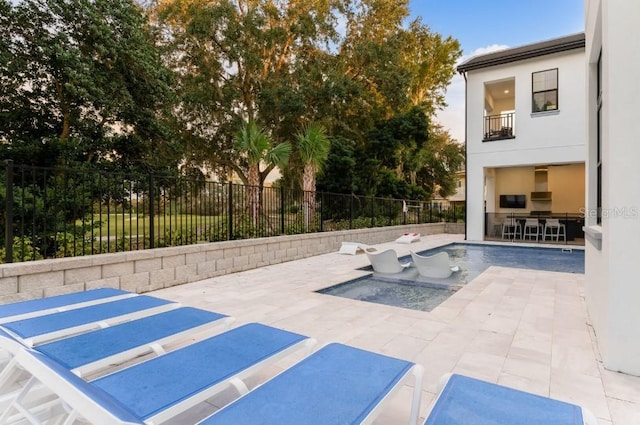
256	148
239	61
441	158
313	148
283	64
85	85
430	60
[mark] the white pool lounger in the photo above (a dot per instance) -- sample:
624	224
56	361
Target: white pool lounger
42	306
338	384
89	352
158	389
41	329
464	400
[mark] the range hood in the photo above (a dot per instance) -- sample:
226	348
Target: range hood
540	196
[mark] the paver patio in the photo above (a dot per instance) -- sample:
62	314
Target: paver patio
525	329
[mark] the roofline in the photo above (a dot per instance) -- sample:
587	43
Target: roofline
524	52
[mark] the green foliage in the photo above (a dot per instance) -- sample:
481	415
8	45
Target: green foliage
23	250
85	84
256	147
338	175
313	146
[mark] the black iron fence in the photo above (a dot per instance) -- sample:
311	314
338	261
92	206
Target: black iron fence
50	213
547	227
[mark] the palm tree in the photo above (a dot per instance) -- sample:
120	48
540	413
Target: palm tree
258	148
313	148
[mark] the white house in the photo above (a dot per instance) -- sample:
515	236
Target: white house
457	198
612	225
525	135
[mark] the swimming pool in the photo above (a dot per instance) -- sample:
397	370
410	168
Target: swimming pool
425	294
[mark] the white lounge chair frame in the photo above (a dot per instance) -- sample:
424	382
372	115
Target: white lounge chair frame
434	266
83	400
352	248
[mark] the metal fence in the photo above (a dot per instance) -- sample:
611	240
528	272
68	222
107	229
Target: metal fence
53	213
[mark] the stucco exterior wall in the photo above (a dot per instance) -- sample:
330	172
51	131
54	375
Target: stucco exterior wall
612	248
545	138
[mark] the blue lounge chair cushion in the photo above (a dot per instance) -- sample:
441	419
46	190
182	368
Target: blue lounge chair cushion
68	319
336	385
467	400
104	400
93	346
29	306
155	385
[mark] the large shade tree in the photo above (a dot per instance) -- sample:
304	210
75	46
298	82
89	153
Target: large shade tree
84	83
238	61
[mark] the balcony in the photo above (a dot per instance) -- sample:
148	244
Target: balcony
499	127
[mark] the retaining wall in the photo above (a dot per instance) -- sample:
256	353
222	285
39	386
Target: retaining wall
148	270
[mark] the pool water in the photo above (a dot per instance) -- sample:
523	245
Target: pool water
399	293
426	294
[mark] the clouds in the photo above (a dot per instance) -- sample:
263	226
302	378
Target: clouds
452	117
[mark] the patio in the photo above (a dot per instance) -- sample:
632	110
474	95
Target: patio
521	328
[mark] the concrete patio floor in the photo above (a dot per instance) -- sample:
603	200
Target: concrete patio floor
522	328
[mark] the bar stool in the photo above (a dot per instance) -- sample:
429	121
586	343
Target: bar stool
531	228
511	229
554	229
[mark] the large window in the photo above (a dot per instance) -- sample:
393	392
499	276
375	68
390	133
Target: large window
545	90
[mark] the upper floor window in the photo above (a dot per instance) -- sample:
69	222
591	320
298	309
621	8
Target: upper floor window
545	90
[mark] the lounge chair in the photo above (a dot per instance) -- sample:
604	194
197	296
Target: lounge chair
92	351
408	238
39	307
463	400
386	262
352	248
37	330
158	389
337	384
434	266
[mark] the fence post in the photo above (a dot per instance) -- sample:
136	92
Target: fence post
230	211
8	223
373	219
152	212
350	212
282	207
321	208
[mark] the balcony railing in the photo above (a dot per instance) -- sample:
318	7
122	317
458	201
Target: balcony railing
498	127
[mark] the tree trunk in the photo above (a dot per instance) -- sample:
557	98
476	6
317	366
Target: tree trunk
253	193
309	190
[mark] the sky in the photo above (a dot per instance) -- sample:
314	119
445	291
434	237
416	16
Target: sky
483	26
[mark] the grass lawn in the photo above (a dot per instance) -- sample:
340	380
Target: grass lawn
132	225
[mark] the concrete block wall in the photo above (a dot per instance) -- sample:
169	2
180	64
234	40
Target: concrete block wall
148	270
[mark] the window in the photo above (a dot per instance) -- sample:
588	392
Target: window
545	90
599	142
